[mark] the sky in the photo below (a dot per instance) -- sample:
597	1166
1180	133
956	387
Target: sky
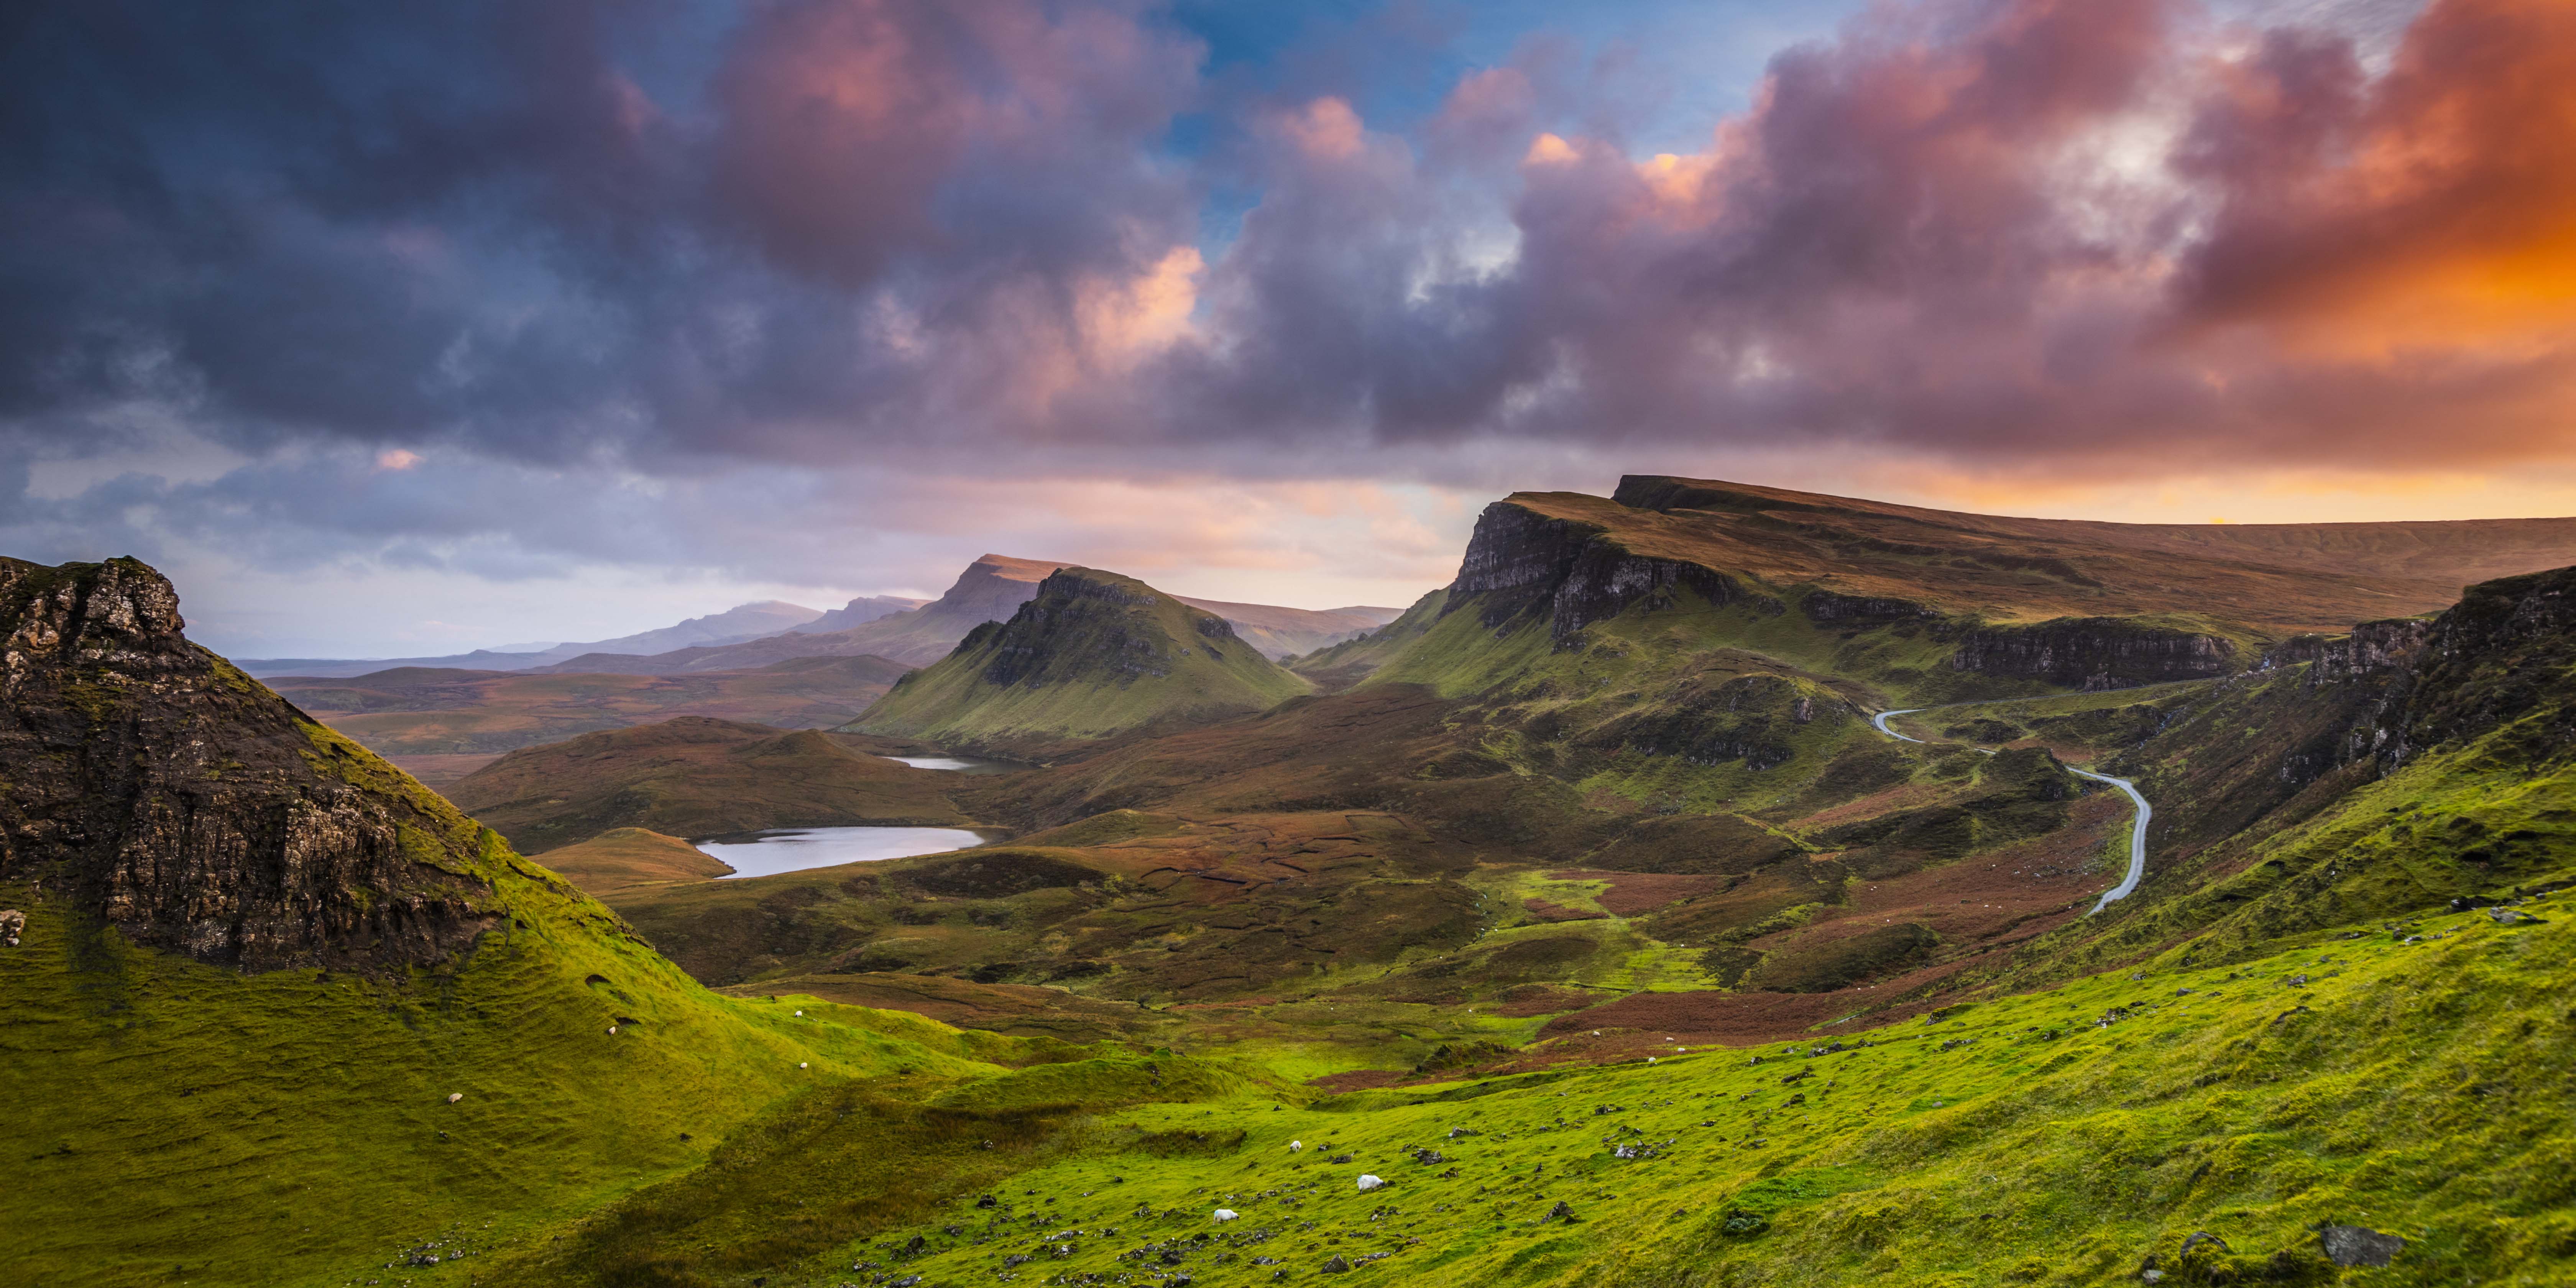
404	329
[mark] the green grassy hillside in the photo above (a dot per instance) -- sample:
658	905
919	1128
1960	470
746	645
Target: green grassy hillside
1093	655
2069	1137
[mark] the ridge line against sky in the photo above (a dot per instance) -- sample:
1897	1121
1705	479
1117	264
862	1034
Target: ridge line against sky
398	330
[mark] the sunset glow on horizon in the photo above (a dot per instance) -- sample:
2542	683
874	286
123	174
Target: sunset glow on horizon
812	296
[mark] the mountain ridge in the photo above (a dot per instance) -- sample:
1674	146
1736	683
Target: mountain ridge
1089	655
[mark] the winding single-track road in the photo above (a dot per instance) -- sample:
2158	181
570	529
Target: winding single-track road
2137	831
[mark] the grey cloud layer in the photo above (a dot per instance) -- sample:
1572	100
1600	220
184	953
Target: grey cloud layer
901	234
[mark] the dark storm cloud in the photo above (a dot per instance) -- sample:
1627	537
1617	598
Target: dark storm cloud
912	235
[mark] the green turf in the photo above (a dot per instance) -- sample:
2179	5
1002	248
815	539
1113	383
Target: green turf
2054	1138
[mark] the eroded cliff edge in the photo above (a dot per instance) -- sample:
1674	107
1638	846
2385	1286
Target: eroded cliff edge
182	803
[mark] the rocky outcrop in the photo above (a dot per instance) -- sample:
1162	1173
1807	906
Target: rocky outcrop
2370	648
1871	610
1521	562
176	800
2504	655
2092	653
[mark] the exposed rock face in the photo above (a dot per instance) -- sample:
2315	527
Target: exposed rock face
2092	653
2503	654
2371	647
1526	562
182	803
1826	606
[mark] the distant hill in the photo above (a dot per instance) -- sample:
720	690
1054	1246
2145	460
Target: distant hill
732	626
411	712
910	631
1286	632
859	612
694	777
1091	655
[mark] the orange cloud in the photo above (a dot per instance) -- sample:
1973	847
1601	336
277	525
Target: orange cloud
2436	207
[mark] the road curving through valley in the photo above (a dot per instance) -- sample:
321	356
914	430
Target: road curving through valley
2137	830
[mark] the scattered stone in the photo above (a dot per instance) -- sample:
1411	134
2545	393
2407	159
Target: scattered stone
2354	1245
1368	1182
2500	916
1336	1266
1456	1132
1561	1212
1339	1158
1429	1156
13	923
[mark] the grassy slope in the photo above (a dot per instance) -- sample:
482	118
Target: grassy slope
2274	577
623	859
2053	1138
694	777
187	1123
1110	654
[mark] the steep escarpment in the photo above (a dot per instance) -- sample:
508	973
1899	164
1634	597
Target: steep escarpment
1526	560
2094	653
175	799
1092	654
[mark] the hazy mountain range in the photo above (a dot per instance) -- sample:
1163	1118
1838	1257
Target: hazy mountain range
912	631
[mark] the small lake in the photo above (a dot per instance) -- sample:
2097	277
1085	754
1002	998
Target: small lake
796	849
959	764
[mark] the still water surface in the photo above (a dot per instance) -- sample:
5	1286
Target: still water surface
822	847
961	764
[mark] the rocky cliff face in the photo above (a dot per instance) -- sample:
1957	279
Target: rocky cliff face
2092	653
2504	655
178	801
1521	561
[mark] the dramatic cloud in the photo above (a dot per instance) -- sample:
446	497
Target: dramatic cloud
384	279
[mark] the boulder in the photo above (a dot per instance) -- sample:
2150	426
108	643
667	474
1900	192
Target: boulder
2353	1245
13	923
1335	1265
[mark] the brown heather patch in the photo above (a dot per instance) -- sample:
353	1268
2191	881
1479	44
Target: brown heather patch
1631	893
